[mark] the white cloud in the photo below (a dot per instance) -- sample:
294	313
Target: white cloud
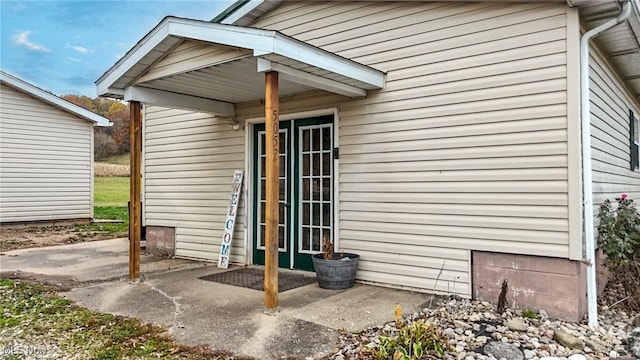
80	49
22	39
72	59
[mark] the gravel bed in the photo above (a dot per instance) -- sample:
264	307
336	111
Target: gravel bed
475	331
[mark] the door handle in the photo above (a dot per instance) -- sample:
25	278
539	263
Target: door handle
287	205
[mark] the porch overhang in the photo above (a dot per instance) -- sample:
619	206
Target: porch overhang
211	67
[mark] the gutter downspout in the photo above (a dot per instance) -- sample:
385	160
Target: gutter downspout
587	188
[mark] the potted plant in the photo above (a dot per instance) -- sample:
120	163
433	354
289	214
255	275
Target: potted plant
335	270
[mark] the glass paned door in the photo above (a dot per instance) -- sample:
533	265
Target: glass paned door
316	190
306	177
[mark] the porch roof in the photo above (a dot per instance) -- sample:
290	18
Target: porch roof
208	66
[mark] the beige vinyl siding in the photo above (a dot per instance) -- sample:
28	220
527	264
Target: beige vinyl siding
45	161
189	162
610	105
466	146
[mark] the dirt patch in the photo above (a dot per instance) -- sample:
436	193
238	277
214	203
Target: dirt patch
16	237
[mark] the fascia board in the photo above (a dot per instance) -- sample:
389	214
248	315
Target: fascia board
241	37
146	45
178	101
304	78
293	49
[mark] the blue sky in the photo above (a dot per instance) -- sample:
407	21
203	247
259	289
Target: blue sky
64	46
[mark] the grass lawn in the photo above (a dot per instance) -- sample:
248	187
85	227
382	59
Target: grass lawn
100	229
35	321
111	191
111	195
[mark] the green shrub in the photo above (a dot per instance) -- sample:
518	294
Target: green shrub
619	239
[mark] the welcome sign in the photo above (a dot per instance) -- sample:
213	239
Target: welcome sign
229	224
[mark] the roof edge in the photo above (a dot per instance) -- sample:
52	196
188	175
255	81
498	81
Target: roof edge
229	11
52	99
262	43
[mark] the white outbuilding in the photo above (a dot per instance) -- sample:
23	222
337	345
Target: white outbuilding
46	155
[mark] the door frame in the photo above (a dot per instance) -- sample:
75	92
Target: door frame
250	175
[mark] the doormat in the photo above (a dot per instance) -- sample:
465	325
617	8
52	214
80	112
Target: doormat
253	278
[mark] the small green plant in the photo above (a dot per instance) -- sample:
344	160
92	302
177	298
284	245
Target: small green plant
413	340
530	314
619	239
6	282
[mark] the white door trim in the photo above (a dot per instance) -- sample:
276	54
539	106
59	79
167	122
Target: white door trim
249	177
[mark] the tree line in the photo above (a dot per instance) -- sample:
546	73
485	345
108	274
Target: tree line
112	140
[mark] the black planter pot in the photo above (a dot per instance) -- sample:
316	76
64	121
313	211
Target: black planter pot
336	274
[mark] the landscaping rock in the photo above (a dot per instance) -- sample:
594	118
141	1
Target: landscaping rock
577	357
634	342
472	330
516	324
461	324
503	350
596	345
543	314
567	340
613	354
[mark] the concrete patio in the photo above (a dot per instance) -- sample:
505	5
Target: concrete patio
202	312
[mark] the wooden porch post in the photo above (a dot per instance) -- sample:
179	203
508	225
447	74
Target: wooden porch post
272	152
135	211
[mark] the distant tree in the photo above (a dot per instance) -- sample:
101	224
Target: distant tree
82	101
119	114
108	140
102	105
103	146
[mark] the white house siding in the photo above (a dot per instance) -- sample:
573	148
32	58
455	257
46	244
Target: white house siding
610	105
45	161
466	146
189	162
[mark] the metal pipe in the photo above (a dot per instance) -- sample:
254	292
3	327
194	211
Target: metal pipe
587	188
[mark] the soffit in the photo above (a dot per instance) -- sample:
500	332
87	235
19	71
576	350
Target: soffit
229	63
234	82
621	43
